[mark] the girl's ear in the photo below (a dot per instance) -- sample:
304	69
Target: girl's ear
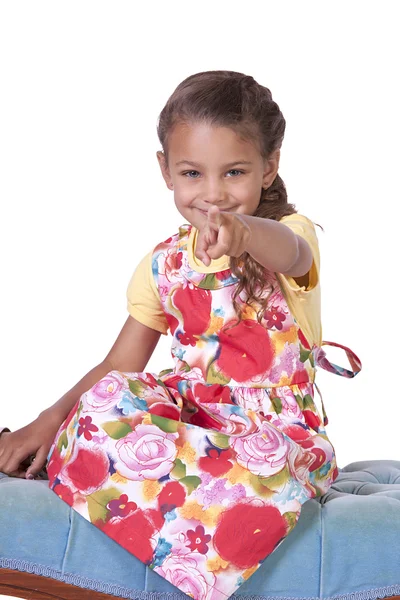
271	168
164	168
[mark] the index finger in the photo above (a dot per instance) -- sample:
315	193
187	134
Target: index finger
214	219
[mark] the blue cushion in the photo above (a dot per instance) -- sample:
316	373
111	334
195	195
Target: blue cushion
346	542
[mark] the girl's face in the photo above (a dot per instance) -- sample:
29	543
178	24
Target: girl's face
210	165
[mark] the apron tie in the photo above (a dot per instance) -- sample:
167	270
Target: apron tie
320	360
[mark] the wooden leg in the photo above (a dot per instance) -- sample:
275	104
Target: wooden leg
37	587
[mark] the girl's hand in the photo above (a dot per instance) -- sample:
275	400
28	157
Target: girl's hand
224	233
35	438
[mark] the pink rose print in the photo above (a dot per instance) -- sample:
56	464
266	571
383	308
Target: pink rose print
146	453
101	397
262	453
188	572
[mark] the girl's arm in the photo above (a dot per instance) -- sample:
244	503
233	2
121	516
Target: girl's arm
276	247
130	353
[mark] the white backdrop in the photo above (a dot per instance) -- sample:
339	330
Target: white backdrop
82	198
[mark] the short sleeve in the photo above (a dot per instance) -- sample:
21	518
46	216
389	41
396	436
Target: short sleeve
302	226
304	301
144	302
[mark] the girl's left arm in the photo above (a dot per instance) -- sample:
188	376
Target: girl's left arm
277	248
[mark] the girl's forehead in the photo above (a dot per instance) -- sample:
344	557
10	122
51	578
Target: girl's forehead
197	139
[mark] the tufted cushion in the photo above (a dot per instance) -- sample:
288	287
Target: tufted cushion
346	543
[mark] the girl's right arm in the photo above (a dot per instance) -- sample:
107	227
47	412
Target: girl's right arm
130	353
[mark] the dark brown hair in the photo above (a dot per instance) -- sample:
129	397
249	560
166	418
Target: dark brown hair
234	100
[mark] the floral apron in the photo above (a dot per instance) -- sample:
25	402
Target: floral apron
201	470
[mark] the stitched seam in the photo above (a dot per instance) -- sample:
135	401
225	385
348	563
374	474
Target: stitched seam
68	537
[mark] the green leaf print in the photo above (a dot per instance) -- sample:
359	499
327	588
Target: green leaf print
260	486
208	282
276	482
62	441
291	520
308	402
304	354
167	425
312	359
165	372
116	429
179	470
277	404
191	482
97	503
137	387
219	439
215	376
299	401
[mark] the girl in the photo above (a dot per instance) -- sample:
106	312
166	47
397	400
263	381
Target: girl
201	470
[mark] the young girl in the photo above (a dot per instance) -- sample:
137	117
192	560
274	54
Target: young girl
201	470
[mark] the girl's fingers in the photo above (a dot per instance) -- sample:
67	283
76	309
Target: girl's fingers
214	219
39	462
223	244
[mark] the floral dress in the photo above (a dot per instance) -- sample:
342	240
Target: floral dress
201	470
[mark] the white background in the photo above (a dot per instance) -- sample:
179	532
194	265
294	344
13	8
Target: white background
82	198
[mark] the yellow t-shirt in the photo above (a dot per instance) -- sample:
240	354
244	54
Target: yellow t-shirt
303	301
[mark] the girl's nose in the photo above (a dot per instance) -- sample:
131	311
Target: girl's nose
214	193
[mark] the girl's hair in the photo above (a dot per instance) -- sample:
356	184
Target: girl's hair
234	100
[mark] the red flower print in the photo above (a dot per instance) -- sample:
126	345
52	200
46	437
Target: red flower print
197	415
195	306
166	410
171	496
312	419
297	433
155	517
246	350
64	493
172	322
222	275
121	507
54	465
86	426
320	459
303	340
134	533
89	470
248	533
300	377
187	339
212	393
274	317
216	462
198	540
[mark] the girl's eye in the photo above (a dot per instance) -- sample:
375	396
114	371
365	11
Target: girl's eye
197	173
